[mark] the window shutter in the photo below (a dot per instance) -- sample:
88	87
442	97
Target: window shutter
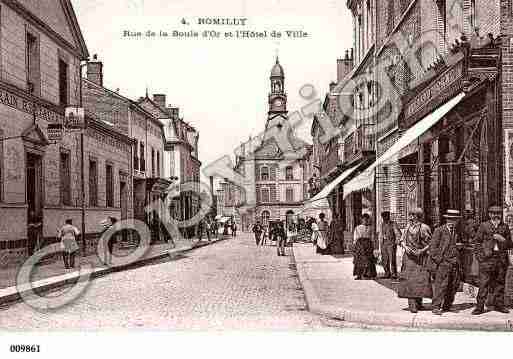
274	170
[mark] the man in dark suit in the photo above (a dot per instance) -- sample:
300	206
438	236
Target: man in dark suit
492	242
444	258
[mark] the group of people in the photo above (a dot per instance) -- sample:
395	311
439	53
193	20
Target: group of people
328	238
275	232
431	264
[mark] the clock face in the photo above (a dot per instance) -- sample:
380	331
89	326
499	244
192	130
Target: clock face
278	103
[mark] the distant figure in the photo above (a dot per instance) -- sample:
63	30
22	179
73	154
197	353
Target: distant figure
322	240
257	230
234	229
281	239
68	235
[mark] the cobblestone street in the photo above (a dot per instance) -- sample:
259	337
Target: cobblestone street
230	285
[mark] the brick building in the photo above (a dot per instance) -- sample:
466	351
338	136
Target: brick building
443	128
41	51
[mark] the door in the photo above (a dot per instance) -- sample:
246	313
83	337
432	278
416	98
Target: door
34	186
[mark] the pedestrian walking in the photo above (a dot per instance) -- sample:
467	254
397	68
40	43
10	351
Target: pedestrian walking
234	229
208	229
257	230
415	241
68	234
281	239
492	242
444	263
265	236
388	238
364	261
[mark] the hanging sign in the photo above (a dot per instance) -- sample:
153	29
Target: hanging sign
54	132
74	119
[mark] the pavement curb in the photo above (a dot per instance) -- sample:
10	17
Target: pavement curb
44	285
405	320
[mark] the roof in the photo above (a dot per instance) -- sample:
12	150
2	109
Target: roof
277	70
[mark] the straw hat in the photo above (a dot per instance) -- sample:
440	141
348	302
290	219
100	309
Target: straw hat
452	213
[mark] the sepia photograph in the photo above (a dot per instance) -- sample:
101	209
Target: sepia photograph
275	170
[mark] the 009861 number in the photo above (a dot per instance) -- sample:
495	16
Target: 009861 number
18	348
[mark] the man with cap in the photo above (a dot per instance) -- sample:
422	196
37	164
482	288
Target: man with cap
388	238
444	262
491	244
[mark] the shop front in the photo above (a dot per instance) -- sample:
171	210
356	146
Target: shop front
450	153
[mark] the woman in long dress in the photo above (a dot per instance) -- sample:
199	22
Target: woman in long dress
415	241
322	244
364	261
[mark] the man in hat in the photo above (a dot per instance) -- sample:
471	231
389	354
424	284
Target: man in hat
492	242
388	238
444	262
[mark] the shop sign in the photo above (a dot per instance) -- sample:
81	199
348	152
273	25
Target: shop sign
10	99
445	83
75	118
54	132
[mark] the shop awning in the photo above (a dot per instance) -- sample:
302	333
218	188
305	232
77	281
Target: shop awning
319	205
366	179
331	186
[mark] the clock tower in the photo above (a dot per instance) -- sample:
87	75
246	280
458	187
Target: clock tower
277	97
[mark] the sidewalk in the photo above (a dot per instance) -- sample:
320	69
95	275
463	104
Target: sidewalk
331	290
52	275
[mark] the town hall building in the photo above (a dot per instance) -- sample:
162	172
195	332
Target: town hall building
273	165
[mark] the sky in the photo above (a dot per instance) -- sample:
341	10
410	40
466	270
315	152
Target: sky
220	85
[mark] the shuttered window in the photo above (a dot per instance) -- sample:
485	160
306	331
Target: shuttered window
93	183
109	186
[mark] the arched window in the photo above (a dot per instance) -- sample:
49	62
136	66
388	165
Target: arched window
264	173
289	173
265	218
289	195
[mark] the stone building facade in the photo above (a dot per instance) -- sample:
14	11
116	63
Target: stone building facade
41	51
275	178
144	182
180	161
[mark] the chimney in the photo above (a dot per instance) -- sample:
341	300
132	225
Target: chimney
95	71
345	65
160	100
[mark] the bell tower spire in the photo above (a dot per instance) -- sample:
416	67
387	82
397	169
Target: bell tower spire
277	96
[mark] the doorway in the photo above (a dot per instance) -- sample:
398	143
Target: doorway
34	184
